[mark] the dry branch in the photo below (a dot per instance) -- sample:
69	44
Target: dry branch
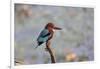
50	52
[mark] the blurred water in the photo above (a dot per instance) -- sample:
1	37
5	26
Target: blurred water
77	35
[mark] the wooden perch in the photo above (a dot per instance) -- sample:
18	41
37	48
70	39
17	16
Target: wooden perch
50	52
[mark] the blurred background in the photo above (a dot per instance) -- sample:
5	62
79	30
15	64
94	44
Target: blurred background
75	43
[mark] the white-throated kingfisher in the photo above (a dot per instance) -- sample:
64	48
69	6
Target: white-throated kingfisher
46	34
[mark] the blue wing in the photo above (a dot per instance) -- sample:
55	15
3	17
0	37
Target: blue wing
44	36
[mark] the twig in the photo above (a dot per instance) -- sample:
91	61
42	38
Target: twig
17	62
50	52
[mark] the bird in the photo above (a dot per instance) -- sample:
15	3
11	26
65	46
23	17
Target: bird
47	33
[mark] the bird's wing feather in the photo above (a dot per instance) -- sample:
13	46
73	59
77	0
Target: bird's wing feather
44	32
43	35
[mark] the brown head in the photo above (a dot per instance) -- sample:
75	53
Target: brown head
52	26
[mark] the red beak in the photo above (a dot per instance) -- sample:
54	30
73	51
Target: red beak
57	28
